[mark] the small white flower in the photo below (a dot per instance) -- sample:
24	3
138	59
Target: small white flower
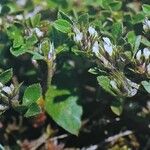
78	35
34	12
113	84
34	62
92	31
138	55
146	53
95	48
148	68
3	107
108	46
7	90
38	32
21	2
19	17
146	25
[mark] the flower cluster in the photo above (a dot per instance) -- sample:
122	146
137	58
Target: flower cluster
110	57
123	86
142	61
86	40
8	95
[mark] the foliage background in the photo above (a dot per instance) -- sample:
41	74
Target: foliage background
72	74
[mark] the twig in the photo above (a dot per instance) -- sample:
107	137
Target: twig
116	137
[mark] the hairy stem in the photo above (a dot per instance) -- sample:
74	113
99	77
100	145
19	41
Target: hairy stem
49	72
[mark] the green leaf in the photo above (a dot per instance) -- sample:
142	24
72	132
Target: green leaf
37	56
4	10
62	26
64	109
116	107
137	44
18	41
146	9
104	82
105	4
115	6
117	30
145	41
131	37
138	18
30	41
6	76
84	19
18	51
146	85
32	94
33	110
15	34
35	20
26	47
62	15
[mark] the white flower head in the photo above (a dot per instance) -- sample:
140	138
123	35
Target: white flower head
38	32
138	55
92	31
113	84
146	25
148	68
146	53
108	46
95	48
